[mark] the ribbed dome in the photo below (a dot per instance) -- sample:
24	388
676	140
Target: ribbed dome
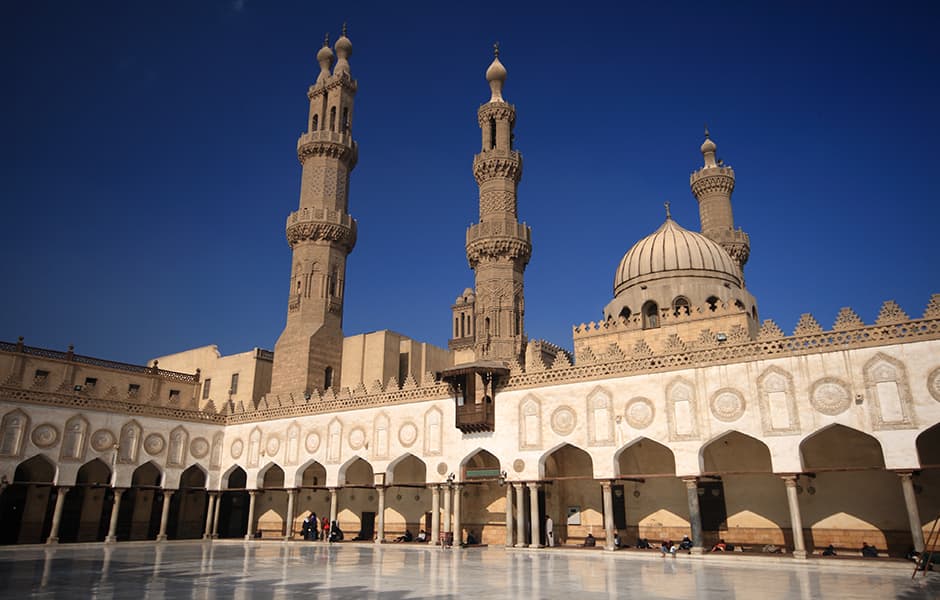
672	248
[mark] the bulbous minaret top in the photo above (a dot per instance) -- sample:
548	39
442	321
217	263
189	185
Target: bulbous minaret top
496	76
325	58
343	52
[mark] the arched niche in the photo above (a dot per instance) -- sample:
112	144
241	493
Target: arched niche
193	478
271	477
94	472
146	475
928	447
645	457
236	479
567	461
735	452
312	474
407	469
839	447
480	459
37	469
356	472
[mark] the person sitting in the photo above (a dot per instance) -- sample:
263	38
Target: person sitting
668	547
829	551
617	541
590	541
686	543
771	549
721	546
869	551
471	539
406	537
643	544
422	536
336	534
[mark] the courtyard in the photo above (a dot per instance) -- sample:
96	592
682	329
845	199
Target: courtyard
280	570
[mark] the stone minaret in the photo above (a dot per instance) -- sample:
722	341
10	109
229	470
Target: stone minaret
321	234
498	247
712	186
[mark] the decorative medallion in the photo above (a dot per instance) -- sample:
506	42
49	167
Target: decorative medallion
357	437
518	465
933	384
199	447
407	434
272	445
154	444
45	435
237	448
640	413
312	442
102	440
441	468
727	405
564	420
830	396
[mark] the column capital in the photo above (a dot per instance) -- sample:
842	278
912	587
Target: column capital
790	479
905	475
532	485
605	484
254	492
690	482
518	485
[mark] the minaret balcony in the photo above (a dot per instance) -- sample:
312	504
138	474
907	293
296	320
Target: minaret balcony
499	229
329	144
320	224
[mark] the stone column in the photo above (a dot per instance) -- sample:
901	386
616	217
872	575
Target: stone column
435	534
535	517
289	526
333	504
458	528
380	516
446	518
509	523
210	510
252	496
57	515
913	515
796	521
215	515
520	518
165	514
695	515
608	516
115	508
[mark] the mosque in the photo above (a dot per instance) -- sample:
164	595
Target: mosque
680	413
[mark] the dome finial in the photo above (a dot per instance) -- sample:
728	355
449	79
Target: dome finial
343	49
708	149
344	27
496	76
667	204
326	39
496	49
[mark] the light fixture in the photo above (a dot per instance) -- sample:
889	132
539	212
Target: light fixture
721	337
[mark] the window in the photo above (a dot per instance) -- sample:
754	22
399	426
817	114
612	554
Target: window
40	375
712	303
233	388
333	118
344	125
174	395
625	313
680	306
404	367
205	388
328	378
650	315
91	382
492	133
133	389
315	123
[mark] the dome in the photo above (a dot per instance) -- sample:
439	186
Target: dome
671	252
325	54
708	146
343	46
496	71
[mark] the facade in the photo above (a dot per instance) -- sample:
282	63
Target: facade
680	413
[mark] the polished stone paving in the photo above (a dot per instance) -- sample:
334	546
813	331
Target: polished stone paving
280	570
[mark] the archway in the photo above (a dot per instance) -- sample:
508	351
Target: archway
740	498
233	504
407	499
649	500
311	501
358	500
188	506
87	508
927	480
572	497
849	497
271	502
27	504
484	511
141	504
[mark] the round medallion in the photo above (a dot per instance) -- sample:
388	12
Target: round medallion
933	384
237	448
407	434
45	435
830	396
273	445
518	465
102	440
199	447
564	420
357	437
727	405
154	444
640	413
312	442
441	468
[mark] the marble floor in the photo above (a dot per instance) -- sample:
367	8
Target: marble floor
280	570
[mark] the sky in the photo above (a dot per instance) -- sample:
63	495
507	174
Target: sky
150	158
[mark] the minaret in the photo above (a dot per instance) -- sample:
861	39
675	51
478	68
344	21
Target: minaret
712	186
498	247
321	234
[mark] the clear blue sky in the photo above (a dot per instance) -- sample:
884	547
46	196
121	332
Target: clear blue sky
149	158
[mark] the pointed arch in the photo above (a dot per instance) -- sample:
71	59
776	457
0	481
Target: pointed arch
310	474
235	478
13	430
215	455
292	454
682	414
530	423
643	456
179	443
407	468
194	477
566	460
356	471
433	430
147	475
93	472
600	417
837	446
777	399
735	452
38	469
380	428
928	447
270	476
480	458
334	441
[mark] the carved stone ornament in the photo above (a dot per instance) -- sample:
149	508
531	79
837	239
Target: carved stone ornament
237	448
272	445
45	435
518	465
199	447
312	442
830	396
408	434
564	420
442	468
102	440
640	413
727	405
357	437
154	444
933	384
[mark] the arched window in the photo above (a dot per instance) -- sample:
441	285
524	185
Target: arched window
625	313
712	303
333	283
754	313
332	118
344	125
680	306
492	133
457	327
486	325
315	123
327	378
650	315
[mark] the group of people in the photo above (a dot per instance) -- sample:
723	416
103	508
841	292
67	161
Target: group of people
314	529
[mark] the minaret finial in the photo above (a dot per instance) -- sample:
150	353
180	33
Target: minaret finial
706	131
496	49
668	214
344	27
326	39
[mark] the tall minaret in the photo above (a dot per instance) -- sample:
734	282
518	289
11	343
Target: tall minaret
321	234
498	247
712	186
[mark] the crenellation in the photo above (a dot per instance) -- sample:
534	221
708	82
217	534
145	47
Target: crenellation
933	307
807	325
847	319
891	313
